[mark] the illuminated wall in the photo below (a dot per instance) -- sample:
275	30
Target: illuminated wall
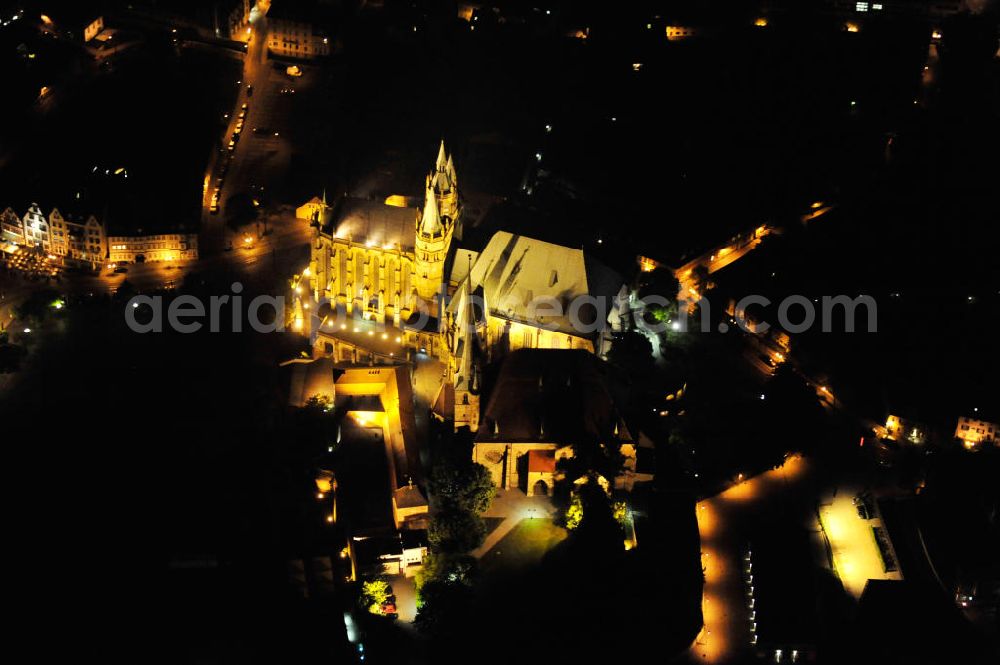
973	432
295	39
164	247
504	461
93	29
431	253
505	335
376	281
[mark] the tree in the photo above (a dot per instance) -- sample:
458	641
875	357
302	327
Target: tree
373	594
700	280
456	531
574	514
444	607
445	568
318	403
463	486
37	306
631	350
659	284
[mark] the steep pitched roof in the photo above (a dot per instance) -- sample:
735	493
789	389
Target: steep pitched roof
522	279
430	221
442	158
557	396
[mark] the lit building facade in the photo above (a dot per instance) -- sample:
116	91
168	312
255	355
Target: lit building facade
678	32
538	295
232	18
972	432
157	247
375	260
292	33
903	430
384	262
79	239
11	227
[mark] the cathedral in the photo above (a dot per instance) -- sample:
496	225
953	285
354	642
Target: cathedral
382	262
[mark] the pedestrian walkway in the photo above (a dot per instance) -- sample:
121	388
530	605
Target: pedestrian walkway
512	505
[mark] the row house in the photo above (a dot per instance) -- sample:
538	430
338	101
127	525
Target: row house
76	239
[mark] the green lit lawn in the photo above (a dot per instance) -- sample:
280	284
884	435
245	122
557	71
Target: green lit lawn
525	545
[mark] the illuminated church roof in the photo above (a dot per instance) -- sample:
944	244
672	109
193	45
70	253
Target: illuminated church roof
374	223
516	271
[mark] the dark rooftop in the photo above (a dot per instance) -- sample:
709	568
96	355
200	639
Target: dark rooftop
553	395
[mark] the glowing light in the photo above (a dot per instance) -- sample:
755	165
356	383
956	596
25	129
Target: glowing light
761	22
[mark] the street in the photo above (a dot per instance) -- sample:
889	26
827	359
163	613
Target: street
726	523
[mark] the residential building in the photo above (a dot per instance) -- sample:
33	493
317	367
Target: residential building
294	30
972	432
157	247
903	430
678	32
70	232
232	18
11	227
79	239
36	228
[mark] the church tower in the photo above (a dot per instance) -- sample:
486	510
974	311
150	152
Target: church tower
436	226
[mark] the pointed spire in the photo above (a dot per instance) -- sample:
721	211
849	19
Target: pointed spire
430	222
442	158
449	168
324	197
